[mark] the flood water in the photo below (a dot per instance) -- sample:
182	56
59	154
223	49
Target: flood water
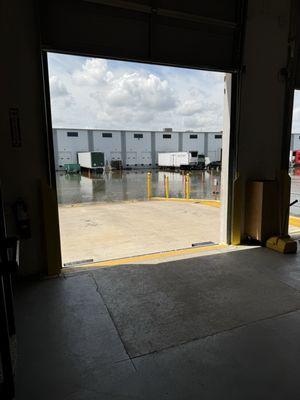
132	185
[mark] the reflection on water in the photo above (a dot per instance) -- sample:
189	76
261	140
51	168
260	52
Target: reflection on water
131	185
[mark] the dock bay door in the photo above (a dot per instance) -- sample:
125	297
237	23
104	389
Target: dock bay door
64	157
131	158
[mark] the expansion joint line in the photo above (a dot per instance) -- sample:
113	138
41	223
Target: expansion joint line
112	318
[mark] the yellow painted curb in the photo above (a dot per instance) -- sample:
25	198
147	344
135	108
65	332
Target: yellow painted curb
145	257
212	203
295	221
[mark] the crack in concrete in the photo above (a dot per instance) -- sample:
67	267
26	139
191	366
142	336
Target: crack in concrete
215	334
112	319
131	358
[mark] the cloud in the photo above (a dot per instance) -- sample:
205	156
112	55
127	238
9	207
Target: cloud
139	90
124	95
92	72
57	88
198	106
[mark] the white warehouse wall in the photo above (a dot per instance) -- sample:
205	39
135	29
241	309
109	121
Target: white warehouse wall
138	149
164	145
295	141
111	146
134	152
137	152
66	147
214	146
189	144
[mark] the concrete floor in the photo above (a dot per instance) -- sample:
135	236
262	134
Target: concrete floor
224	326
104	231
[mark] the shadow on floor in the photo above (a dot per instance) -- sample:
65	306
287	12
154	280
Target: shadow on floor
222	326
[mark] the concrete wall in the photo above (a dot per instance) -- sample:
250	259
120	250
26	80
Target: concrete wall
189	144
67	146
138	149
226	184
163	145
214	146
261	110
295	141
23	168
111	145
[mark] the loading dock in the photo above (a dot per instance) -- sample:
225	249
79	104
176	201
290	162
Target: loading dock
224	326
107	231
134	148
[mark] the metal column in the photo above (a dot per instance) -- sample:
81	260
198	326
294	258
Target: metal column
91	145
123	148
153	148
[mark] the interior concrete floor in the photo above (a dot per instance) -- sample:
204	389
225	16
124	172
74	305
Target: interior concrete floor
224	326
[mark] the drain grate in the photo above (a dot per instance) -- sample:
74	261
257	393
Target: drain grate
200	244
73	263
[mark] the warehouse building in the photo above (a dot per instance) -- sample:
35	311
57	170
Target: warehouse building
137	148
295	141
134	148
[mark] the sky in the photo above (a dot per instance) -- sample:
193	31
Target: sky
104	94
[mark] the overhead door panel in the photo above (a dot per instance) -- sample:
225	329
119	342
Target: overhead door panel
131	158
115	155
295	41
225	10
93	29
188	33
64	157
195	40
146	158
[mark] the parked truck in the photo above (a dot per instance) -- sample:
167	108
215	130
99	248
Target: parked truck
184	160
93	161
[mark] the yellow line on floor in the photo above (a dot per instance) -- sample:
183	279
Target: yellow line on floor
295	221
212	203
145	257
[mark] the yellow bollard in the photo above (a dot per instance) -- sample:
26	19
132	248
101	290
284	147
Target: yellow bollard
166	187
187	186
149	185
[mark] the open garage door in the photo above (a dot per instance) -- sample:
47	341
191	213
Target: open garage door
193	34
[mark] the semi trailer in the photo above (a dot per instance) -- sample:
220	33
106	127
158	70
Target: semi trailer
92	161
183	160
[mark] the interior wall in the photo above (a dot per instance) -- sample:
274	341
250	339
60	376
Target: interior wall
22	168
262	109
225	175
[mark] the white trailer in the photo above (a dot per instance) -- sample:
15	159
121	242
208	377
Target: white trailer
181	160
91	160
173	160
